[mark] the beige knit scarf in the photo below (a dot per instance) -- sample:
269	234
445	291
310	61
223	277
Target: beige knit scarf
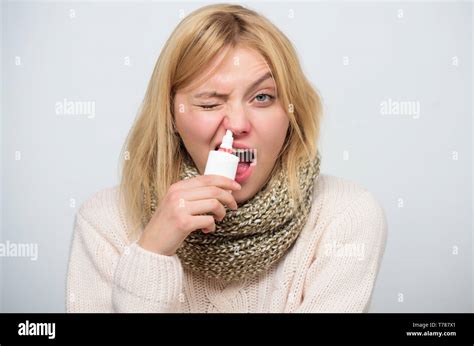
256	235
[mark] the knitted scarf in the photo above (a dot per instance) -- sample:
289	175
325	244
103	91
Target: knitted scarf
256	235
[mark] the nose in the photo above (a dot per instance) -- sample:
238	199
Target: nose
237	121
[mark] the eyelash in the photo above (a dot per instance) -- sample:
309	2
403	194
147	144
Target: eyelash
210	107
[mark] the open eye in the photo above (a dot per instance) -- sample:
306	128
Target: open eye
264	98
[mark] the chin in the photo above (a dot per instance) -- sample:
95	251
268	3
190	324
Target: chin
243	195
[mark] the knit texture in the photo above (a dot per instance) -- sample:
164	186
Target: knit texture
332	266
256	235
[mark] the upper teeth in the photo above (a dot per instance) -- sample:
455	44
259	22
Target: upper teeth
245	155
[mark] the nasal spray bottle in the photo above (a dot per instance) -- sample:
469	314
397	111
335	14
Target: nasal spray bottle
222	161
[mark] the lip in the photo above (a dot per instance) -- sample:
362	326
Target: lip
236	145
240	145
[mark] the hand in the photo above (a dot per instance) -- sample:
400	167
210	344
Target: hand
183	210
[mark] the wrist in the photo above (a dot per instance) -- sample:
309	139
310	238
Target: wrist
155	245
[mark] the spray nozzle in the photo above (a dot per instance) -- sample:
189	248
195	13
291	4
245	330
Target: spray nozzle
227	140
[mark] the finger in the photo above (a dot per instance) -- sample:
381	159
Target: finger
209	180
205	206
204	222
210	192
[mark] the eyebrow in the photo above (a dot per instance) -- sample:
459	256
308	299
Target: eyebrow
225	96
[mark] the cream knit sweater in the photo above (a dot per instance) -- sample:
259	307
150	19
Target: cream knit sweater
331	267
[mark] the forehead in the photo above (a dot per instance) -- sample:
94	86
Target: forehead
233	68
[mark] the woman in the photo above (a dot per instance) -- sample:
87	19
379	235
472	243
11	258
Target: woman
280	238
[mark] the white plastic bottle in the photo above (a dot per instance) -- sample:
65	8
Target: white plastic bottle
222	161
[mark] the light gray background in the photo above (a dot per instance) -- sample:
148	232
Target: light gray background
404	58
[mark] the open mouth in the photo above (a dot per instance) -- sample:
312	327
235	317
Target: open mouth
247	161
245	155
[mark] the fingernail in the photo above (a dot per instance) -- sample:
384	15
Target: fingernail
237	185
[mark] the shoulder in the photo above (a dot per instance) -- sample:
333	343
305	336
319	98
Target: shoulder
345	209
100	204
336	196
102	214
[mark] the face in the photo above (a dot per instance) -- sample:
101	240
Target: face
241	96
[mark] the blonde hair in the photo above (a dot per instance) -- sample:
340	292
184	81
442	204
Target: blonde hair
154	149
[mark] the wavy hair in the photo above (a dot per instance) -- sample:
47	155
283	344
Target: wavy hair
153	152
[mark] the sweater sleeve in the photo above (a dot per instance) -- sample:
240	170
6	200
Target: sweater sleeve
342	275
107	275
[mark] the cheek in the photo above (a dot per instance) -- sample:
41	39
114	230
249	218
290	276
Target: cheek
195	128
197	131
271	124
